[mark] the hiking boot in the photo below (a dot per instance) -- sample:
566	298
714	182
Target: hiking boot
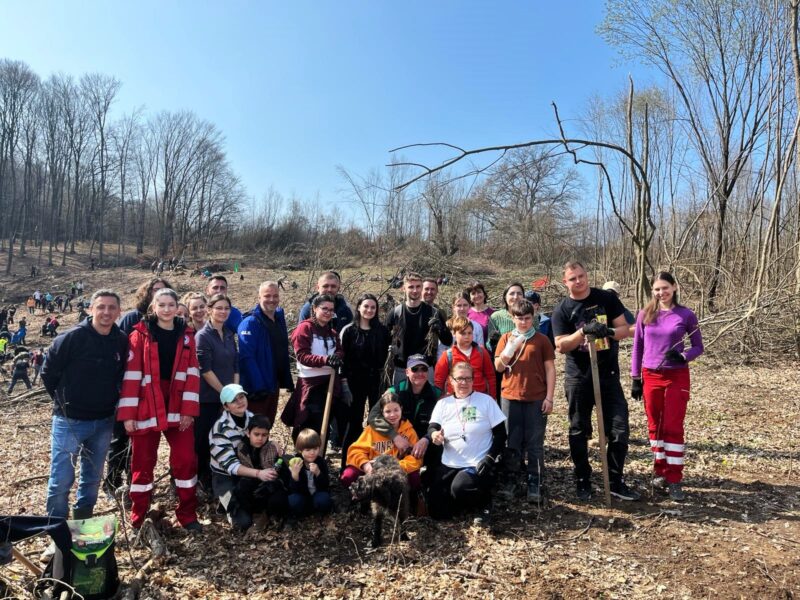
534	491
676	492
583	489
260	522
659	482
619	489
484	517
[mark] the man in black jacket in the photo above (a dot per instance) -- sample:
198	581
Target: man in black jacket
416	328
82	372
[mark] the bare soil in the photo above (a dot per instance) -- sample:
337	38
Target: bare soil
736	536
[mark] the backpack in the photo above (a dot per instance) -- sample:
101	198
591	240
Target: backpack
91	565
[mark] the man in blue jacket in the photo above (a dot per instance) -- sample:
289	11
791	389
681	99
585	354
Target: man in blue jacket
264	352
83	372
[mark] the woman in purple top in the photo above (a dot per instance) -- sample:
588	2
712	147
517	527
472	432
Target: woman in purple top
659	368
480	311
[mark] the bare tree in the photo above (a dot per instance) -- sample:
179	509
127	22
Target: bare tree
100	91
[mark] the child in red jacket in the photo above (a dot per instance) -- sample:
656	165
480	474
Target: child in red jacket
160	393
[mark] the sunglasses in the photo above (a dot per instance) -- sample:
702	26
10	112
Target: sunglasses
419	369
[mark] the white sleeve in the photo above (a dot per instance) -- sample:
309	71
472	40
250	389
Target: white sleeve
493	411
437	414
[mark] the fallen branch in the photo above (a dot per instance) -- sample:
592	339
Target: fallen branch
468	574
772	538
134	588
30	479
24	560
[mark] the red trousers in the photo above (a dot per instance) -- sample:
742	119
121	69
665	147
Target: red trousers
183	467
666	394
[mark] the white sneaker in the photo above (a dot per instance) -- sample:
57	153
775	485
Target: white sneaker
48	553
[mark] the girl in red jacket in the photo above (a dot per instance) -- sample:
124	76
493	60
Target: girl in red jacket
465	350
160	393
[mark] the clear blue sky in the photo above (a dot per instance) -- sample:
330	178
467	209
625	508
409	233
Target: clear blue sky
299	87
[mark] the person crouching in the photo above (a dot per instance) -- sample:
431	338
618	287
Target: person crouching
243	462
310	481
372	444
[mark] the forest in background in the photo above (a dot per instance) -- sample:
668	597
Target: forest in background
697	174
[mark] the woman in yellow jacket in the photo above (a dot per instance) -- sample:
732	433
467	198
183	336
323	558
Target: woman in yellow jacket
372	444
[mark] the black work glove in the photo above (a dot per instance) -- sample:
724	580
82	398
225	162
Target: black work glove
637	389
334	360
435	325
486	466
596	329
494	339
674	356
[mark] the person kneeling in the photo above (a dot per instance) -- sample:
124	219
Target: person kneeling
243	462
372	444
309	481
470	427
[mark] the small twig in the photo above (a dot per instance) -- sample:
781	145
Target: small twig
468	574
30	479
780	537
358	554
571	538
75	593
650	525
762	566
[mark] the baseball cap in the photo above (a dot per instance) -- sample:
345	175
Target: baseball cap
230	391
612	286
532	296
416	359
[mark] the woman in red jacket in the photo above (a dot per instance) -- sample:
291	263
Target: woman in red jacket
465	350
160	393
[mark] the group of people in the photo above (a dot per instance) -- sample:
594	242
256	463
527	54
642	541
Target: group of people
459	392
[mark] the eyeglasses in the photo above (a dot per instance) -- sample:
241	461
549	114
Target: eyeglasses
325	309
462	379
420	369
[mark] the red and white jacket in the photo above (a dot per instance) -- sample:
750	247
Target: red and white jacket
141	399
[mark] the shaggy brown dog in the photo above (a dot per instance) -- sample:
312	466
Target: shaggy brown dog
386	488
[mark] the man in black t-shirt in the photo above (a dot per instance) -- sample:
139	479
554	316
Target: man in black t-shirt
588	311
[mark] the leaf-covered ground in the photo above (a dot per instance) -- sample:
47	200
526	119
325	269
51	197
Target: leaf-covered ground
736	536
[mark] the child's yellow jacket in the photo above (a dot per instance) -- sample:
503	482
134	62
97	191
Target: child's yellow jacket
371	443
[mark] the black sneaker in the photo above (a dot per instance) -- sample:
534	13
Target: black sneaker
583	489
620	490
534	491
676	492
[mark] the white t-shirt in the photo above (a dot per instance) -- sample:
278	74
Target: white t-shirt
467	424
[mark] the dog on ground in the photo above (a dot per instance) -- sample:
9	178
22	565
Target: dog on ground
386	489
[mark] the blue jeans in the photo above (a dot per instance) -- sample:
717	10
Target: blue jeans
69	440
301	505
